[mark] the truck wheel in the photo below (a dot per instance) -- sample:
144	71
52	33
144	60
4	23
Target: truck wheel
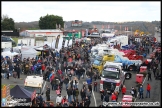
127	75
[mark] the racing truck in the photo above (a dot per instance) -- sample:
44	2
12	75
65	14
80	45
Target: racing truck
113	75
35	83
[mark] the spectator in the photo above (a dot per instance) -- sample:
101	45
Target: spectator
77	94
95	86
148	90
141	92
113	97
66	82
82	94
64	100
59	98
106	99
123	90
69	93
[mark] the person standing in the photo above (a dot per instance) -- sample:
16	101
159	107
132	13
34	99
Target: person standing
69	93
66	82
48	94
148	90
123	90
18	71
106	99
149	75
77	94
95	86
113	97
141	92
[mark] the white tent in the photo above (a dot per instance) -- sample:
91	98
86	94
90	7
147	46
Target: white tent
29	53
9	54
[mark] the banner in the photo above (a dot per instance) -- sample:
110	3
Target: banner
33	95
56	26
57	41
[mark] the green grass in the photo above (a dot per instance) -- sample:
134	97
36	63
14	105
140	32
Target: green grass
11	86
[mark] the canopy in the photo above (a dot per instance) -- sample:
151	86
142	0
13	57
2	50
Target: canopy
29	53
20	92
9	54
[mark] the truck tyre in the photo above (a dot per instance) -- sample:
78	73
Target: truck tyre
128	75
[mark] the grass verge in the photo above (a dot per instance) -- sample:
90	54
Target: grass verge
11	86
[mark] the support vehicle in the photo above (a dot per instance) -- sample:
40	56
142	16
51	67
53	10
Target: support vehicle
112	74
34	83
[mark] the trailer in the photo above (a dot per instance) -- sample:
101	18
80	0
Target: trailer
6	45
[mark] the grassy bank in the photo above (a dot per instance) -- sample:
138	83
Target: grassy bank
11	86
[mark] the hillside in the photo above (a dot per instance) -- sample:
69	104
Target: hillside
140	25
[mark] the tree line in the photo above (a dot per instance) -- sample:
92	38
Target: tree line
45	22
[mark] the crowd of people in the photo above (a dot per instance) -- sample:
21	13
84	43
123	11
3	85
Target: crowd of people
64	69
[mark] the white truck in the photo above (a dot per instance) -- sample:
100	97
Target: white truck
35	83
113	75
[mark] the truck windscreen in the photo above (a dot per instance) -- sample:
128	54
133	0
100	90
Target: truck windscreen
110	74
97	62
37	89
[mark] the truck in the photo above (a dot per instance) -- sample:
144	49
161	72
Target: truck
112	74
35	83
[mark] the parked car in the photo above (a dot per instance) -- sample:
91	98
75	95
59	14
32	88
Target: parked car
8	39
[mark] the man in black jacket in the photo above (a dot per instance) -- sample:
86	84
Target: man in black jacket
106	97
66	82
69	93
87	102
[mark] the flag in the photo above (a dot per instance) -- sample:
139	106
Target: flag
56	26
59	26
64	25
102	26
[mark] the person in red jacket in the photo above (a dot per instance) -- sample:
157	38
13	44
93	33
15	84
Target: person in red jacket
113	97
123	90
64	100
148	88
43	67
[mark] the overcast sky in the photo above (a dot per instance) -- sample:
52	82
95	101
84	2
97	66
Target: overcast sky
85	11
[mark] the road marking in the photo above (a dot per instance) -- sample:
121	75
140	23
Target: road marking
44	86
142	84
92	92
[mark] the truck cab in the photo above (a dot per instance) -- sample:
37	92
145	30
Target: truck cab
112	74
34	83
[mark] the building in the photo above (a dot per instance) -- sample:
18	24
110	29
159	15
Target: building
76	23
41	33
158	34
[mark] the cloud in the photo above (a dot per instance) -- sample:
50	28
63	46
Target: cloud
86	11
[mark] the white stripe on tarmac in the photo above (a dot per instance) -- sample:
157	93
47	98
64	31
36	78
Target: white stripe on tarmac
92	92
142	84
44	86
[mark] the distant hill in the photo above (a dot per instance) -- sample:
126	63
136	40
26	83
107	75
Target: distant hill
140	25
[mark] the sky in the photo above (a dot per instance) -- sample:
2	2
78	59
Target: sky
85	11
